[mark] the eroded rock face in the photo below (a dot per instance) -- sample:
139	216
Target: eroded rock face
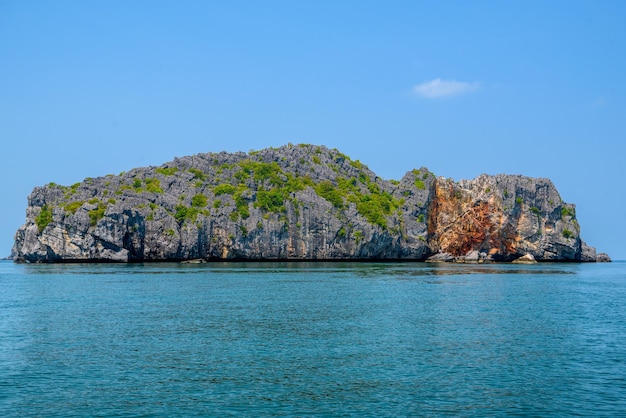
295	202
525	259
505	216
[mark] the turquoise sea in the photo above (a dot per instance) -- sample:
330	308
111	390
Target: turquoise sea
319	339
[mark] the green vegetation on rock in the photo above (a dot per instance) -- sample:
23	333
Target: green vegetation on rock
358	236
183	212
72	207
241	204
261	171
96	214
167	171
153	185
197	174
419	182
224	188
271	200
44	218
180	213
328	191
567	211
377	206
356	164
199	201
70	191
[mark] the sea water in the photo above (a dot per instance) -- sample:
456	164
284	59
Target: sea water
321	339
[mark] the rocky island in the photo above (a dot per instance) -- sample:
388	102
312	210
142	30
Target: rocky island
296	202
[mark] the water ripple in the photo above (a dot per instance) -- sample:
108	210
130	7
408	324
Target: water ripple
330	339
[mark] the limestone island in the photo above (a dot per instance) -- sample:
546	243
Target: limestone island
297	202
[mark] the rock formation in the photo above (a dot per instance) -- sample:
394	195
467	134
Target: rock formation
299	202
525	259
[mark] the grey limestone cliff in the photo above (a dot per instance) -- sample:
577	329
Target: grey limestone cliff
300	202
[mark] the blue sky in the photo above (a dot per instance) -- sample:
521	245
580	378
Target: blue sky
536	88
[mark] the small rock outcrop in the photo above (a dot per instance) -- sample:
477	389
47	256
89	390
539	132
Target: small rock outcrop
296	202
525	259
603	258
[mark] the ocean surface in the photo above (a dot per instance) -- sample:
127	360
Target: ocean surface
319	339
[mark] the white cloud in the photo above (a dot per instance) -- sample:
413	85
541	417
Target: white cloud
438	88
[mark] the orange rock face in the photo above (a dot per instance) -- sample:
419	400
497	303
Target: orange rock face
473	217
459	224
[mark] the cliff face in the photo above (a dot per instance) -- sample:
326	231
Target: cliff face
505	216
295	202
